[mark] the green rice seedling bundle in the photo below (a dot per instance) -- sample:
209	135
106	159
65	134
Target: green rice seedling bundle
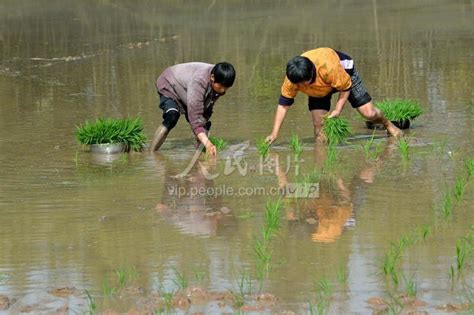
262	147
108	130
336	129
219	143
399	109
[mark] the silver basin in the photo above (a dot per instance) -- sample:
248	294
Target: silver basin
108	148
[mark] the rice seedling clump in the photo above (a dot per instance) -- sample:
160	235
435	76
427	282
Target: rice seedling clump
399	109
109	130
220	143
336	129
262	147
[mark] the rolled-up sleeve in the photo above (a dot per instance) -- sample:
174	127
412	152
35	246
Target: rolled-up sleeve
195	96
288	93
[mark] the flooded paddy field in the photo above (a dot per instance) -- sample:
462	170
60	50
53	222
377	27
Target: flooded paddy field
384	231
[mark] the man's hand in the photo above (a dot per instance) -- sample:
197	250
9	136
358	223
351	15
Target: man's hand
270	139
211	149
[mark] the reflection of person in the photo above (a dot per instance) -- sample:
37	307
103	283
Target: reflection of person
191	89
183	206
320	73
332	213
331	210
335	206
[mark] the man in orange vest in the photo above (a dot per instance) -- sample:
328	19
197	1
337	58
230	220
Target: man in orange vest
319	73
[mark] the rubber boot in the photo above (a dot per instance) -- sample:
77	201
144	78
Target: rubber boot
160	136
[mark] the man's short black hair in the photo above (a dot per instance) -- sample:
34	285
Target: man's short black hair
224	73
299	69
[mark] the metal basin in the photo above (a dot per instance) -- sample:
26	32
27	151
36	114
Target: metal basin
108	148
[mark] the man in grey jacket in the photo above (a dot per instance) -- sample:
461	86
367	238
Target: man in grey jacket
191	89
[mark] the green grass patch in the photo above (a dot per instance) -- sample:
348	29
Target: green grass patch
336	129
109	130
400	109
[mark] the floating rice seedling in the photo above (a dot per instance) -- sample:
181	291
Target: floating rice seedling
403	146
319	308
324	291
336	129
367	146
122	277
400	110
167	297
470	168
295	144
331	156
458	190
108	130
263	253
447	205
180	280
423	231
393	256
125	275
267	234
404	242
246	215
378	150
461	252
238	300
411	286
342	275
439	146
272	215
107	289
452	273
219	143
389	267
199	275
262	147
324	287
3	277
261	247
91	303
244	289
395	306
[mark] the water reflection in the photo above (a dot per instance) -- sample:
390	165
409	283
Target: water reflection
184	202
333	210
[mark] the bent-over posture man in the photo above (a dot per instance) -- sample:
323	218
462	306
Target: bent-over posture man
191	89
320	73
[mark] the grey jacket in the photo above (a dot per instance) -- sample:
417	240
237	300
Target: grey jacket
189	85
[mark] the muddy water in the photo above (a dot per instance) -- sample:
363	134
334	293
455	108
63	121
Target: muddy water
71	220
